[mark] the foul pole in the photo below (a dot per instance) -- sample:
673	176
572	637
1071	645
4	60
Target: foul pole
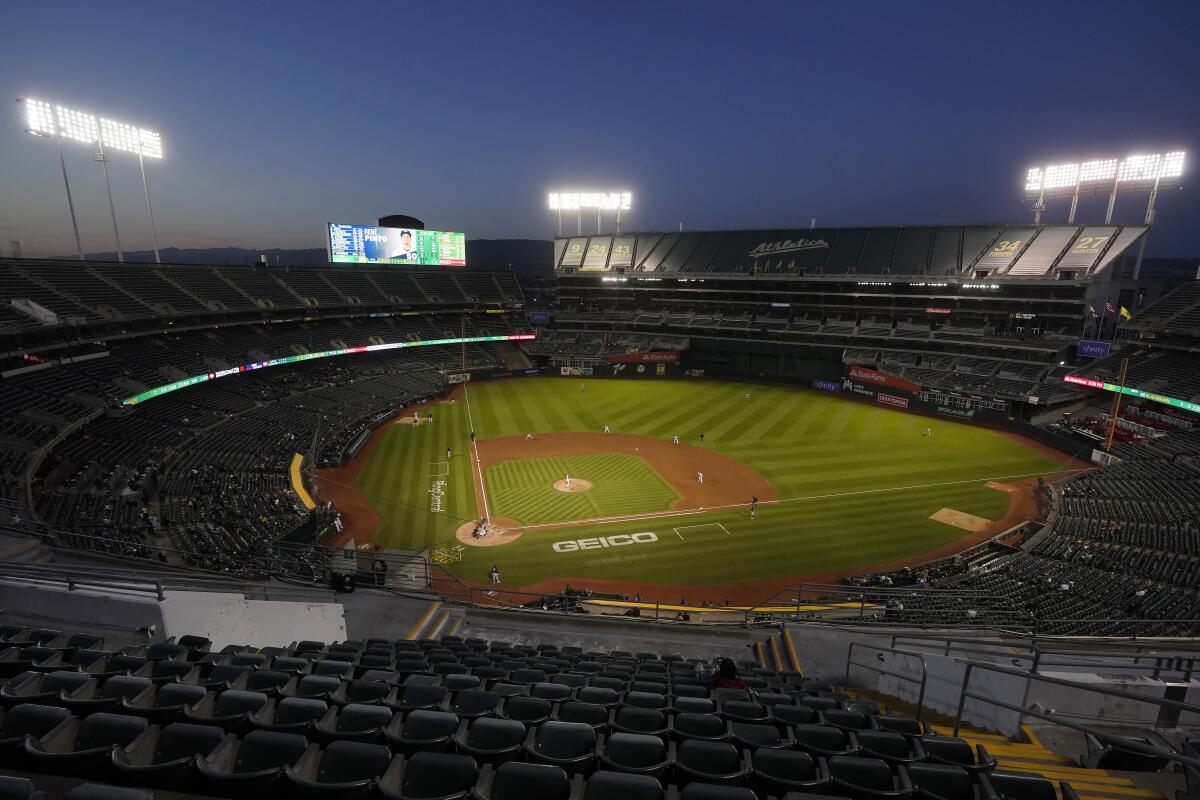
1112	426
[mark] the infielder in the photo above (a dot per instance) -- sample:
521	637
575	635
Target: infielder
699	477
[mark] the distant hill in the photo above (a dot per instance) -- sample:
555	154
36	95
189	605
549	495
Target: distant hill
523	256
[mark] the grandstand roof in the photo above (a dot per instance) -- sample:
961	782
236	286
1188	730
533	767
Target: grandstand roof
1023	251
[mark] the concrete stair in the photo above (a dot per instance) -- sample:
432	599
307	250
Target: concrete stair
437	620
778	652
1025	754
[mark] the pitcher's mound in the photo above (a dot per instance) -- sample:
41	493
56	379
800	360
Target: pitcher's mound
576	485
503	531
960	519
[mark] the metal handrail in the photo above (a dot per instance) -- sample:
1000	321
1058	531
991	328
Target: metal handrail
131	580
892	673
75	581
1049	716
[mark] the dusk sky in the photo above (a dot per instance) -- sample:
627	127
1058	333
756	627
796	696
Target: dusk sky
278	117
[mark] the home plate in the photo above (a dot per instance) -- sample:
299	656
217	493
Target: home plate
960	519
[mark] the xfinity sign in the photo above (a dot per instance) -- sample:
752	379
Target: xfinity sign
1089	349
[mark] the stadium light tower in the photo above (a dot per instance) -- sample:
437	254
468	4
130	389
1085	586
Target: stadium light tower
45	120
598	201
40	122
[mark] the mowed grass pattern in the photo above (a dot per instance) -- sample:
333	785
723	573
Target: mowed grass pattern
859	481
523	489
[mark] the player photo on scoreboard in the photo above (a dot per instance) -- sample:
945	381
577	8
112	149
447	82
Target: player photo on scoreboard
401	245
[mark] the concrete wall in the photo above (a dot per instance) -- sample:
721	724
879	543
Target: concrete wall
224	617
231	619
107	612
1081	705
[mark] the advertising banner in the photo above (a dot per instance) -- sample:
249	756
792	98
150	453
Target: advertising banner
826	386
891	400
864	375
1089	349
966	409
649	357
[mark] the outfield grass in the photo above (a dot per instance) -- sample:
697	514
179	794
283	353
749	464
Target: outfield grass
859	482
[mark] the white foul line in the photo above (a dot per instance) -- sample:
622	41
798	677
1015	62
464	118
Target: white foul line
487	515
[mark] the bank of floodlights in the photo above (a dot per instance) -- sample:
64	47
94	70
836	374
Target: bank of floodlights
1136	173
600	202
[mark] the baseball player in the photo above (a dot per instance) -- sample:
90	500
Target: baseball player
607	429
675	440
699	477
494	574
753	505
529	437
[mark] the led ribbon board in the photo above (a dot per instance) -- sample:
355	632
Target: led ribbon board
158	391
1112	387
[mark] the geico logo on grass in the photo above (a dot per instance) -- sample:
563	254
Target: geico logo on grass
617	540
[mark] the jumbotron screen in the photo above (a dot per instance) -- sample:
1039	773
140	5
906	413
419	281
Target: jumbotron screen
370	244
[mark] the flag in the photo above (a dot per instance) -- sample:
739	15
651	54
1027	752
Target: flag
1125	313
1092	311
1108	307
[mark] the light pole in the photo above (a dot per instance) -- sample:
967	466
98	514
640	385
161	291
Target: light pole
149	210
70	203
112	209
41	122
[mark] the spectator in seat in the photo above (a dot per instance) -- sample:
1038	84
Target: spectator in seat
726	676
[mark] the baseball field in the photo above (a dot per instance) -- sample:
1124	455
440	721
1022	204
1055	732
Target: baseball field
842	486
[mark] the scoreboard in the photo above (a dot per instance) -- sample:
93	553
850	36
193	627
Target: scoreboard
370	244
